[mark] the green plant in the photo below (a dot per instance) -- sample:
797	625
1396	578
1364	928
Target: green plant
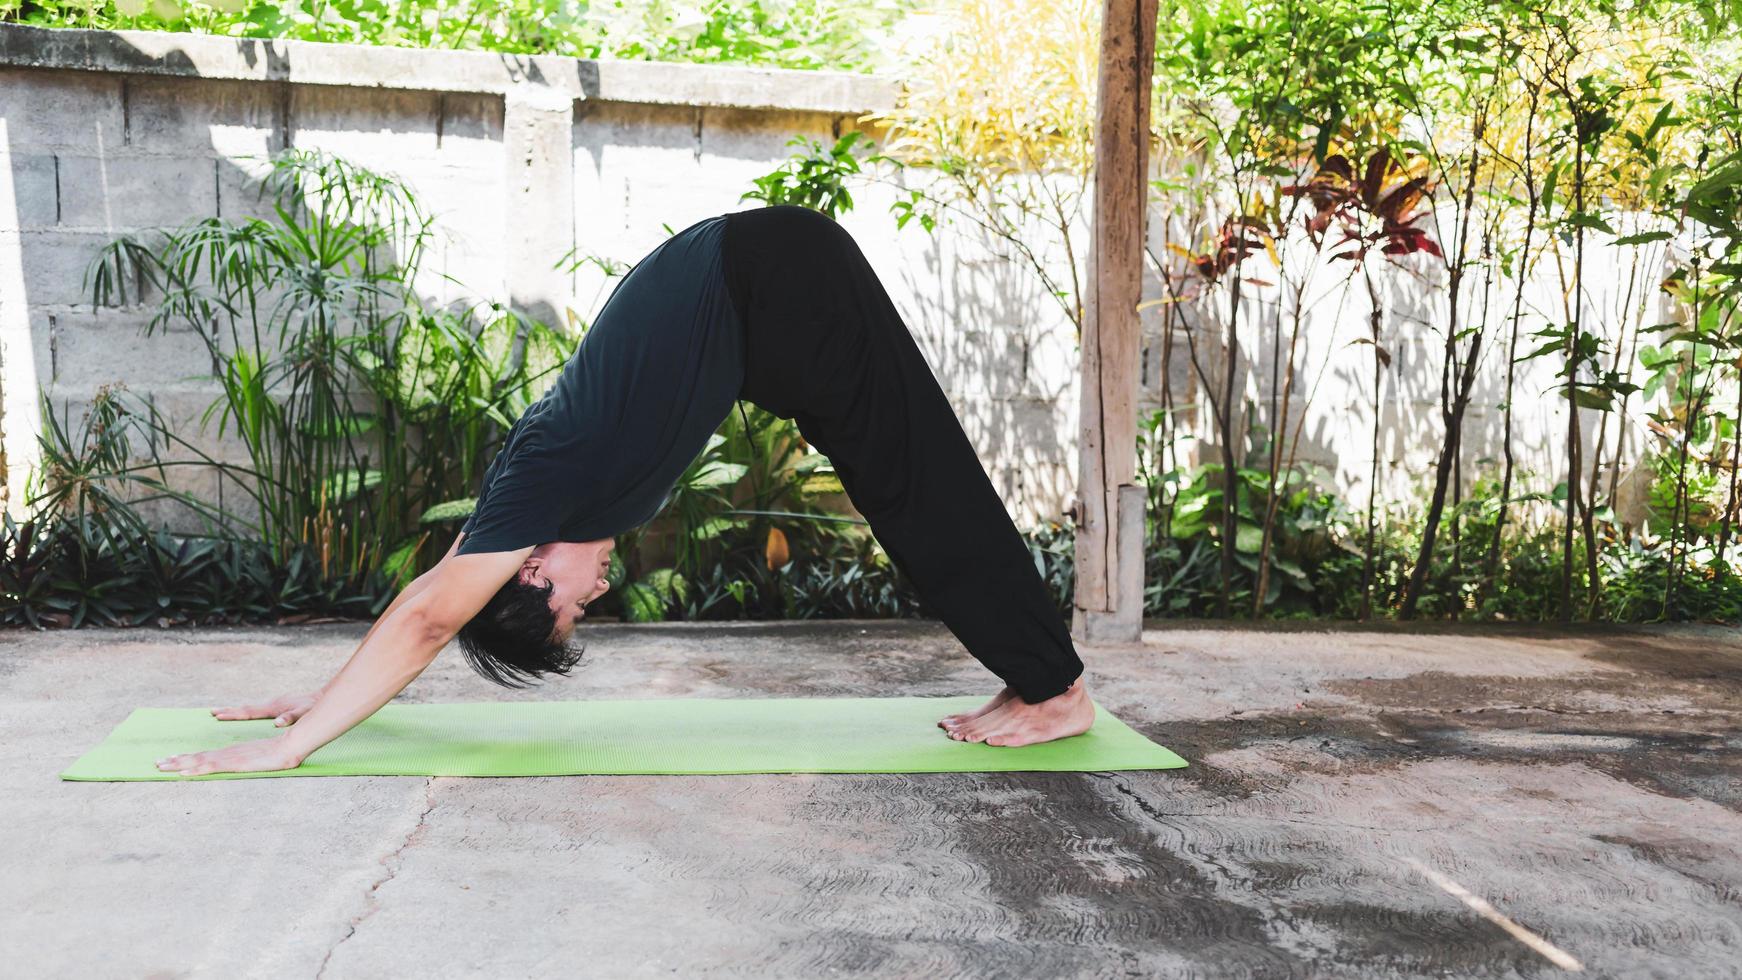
756	479
1053	548
95	475
90	556
815	177
1308	524
359	406
67	571
798	34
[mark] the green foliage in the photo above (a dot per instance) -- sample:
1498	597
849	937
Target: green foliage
360	407
853	580
1325	558
94	475
1053	547
71	572
450	512
654	596
90	556
755	478
815	177
1183	559
833	34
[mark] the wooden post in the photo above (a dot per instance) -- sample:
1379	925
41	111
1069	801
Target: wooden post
1108	609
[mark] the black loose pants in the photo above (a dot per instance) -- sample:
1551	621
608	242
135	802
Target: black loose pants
826	347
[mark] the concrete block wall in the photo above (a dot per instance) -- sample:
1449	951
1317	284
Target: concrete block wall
523	159
519	159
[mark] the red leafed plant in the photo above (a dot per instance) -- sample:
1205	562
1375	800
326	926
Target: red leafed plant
1388	190
1240	236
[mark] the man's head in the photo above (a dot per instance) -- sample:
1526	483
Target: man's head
523	631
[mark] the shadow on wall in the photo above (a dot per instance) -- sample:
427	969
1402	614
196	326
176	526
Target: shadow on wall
998	345
1332	406
92	156
1005	353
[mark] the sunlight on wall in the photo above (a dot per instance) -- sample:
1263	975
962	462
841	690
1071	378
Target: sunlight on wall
20	413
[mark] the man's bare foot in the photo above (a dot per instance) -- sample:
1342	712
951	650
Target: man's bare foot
951	721
1016	722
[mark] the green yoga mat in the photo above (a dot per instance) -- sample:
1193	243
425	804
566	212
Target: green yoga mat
564	738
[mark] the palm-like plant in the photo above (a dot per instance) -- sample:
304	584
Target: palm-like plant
358	405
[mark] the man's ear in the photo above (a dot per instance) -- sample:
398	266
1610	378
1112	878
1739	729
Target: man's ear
530	569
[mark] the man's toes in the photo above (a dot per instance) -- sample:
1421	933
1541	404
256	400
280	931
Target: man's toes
977	730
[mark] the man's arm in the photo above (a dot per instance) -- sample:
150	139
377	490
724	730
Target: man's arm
402	644
417	585
288	709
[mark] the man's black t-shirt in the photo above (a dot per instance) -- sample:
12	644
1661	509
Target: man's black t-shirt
654	376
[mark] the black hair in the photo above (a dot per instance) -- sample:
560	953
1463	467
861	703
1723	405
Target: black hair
513	638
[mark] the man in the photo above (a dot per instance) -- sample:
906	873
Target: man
775	305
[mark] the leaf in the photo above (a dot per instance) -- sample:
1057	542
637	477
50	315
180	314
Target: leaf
1644	238
1187	529
1374	178
1248	538
1726	175
449	511
1588	219
775	551
1379	350
718	473
1551	346
642	604
1293	571
1658	122
401	564
345	484
668	584
711	528
1400	202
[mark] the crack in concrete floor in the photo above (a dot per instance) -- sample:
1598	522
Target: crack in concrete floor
390	862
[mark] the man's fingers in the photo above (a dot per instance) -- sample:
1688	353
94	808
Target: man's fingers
190	764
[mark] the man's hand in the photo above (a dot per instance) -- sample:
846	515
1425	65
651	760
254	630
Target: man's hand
260	755
283	710
403	641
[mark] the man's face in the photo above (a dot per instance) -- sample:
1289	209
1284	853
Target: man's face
576	573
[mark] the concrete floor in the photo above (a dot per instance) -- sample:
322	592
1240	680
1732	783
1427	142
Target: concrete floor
1345	787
